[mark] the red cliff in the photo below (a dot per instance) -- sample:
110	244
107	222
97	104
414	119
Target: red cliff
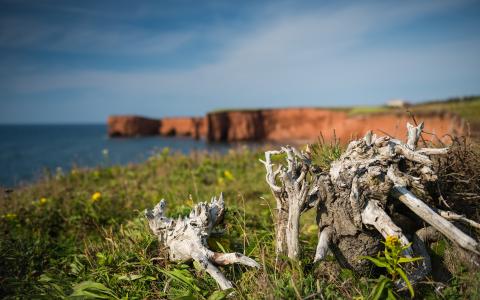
235	126
129	126
306	124
194	127
288	124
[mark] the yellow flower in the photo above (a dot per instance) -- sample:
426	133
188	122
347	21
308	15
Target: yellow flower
228	175
392	241
165	151
42	201
96	196
189	201
10	216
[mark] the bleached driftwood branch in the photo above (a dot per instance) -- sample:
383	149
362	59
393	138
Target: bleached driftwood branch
295	192
438	222
324	239
376	216
450	215
186	238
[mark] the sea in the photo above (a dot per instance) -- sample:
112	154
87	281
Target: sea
28	152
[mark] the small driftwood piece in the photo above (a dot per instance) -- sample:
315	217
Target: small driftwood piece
186	238
295	191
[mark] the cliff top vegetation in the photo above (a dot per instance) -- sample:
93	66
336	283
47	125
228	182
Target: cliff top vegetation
466	107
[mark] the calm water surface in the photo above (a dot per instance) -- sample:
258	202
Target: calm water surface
26	151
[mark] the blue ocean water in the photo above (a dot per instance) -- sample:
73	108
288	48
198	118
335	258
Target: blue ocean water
26	151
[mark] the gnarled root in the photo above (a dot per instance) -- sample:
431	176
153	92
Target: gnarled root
355	197
438	222
375	216
450	215
294	190
363	181
324	238
186	238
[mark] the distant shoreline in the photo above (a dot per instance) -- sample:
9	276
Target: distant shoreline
450	117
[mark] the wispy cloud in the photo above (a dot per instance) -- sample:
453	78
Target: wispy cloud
308	57
37	35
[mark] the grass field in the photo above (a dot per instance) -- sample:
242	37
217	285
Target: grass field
468	109
83	235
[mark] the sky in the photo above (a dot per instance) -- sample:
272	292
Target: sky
81	61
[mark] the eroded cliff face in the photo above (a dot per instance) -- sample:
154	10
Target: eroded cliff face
303	124
129	126
307	124
235	126
193	127
289	124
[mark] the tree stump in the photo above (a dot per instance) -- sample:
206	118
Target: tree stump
369	193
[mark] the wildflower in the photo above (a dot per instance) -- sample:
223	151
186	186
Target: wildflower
96	196
165	151
43	201
10	216
228	175
105	152
392	241
189	201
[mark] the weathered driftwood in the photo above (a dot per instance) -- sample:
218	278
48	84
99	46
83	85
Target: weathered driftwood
361	197
295	190
186	238
378	170
374	215
438	222
449	215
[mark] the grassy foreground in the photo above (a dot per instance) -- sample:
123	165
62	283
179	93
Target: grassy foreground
83	235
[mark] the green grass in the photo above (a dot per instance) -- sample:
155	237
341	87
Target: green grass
468	109
69	246
366	110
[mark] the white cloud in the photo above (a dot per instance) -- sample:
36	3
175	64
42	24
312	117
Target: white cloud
291	59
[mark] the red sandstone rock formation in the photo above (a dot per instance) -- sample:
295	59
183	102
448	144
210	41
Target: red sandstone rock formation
306	124
288	124
235	126
132	126
194	127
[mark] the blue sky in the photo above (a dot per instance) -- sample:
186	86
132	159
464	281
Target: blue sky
80	61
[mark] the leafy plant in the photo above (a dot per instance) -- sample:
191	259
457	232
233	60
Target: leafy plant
392	259
92	290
